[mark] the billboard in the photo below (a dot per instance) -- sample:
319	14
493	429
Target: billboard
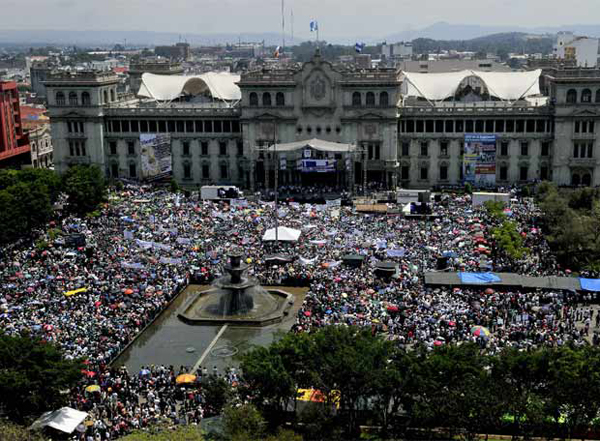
155	156
479	160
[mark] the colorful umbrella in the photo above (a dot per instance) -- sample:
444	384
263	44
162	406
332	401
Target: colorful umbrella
185	379
93	388
480	331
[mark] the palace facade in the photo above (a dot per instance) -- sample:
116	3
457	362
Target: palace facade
402	139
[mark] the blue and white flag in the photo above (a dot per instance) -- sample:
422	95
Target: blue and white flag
358	47
314	26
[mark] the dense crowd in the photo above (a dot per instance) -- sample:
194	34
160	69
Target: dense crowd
92	300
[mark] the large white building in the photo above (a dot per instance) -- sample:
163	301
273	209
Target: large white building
410	129
583	50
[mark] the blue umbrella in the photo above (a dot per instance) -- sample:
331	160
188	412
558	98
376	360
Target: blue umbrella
329	311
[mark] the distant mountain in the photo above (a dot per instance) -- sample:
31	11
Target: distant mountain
502	44
447	31
134	38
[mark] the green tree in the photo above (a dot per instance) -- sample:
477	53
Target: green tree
243	423
85	187
216	393
33	375
13	432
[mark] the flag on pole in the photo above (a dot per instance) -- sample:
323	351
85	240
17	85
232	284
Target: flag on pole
358	47
314	26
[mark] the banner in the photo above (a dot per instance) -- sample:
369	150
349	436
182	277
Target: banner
479	160
155	156
317	165
333	203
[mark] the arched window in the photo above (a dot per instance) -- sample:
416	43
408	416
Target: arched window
598	96
112	95
85	99
73	99
586	96
105	96
280	99
60	99
253	99
266	99
384	99
586	180
575	179
356	99
572	96
370	99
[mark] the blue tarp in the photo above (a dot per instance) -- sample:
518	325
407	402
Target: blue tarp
590	284
478	278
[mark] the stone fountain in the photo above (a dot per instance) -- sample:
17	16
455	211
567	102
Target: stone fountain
237	298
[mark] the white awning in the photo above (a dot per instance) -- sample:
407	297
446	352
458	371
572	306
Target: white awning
502	85
220	85
283	233
317	144
65	419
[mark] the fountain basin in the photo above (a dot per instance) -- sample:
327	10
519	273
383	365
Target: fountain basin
268	307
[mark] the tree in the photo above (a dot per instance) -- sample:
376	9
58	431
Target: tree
243	423
216	393
33	375
85	187
13	432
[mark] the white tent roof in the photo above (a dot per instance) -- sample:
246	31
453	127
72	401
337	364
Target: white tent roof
317	144
284	233
65	419
221	85
503	85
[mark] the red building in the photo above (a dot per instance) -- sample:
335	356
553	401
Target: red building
14	144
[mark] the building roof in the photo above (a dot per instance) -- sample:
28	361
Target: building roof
220	85
445	66
503	85
316	144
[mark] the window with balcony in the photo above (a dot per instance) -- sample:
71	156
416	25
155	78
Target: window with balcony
406	148
253	98
60	99
356	99
503	173
266	99
280	99
586	96
523	172
444	148
73	100
131	148
204	148
85	99
504	148
112	147
545	148
424	151
223	171
524	148
187	170
370	99
405	172
424	173
384	99
185	148
132	170
205	171
223	149
583	150
443	172
571	96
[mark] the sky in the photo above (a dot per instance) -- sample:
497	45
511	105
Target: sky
337	18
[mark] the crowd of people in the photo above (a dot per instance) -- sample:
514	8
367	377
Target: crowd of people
94	299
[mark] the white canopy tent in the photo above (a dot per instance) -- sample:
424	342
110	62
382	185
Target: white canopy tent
283	233
510	86
65	419
220	85
317	144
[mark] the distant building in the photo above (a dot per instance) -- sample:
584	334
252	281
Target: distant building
179	51
38	73
37	125
583	50
400	50
363	61
446	66
14	144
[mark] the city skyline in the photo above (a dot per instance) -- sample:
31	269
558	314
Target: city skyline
383	17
